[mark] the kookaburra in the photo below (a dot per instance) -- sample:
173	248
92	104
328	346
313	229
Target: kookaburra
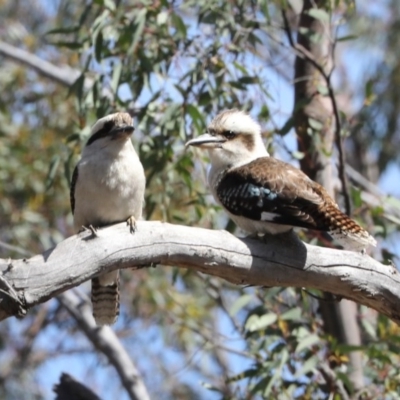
108	187
264	195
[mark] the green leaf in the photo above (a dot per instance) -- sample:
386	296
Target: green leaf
356	197
239	303
292	315
240	67
69	45
369	327
369	89
98	47
210	387
110	4
316	125
256	323
320	14
64	30
179	25
346	379
162	17
309	365
278	372
307	342
322	89
106	3
248	373
77	87
346	38
52	171
287	127
237	85
116	76
298	155
196	116
140	21
248	80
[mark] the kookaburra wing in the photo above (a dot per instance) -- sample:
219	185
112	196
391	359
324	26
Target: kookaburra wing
265	195
108	187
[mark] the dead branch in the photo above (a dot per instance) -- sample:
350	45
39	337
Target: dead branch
64	75
279	261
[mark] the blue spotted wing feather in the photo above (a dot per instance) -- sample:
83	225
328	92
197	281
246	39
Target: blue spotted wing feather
271	190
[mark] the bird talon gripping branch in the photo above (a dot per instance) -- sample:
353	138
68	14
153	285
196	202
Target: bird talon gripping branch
108	187
131	222
265	195
93	230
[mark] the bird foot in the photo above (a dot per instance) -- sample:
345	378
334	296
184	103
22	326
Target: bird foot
90	228
131	221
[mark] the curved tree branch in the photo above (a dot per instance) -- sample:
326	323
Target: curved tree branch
277	261
105	340
64	75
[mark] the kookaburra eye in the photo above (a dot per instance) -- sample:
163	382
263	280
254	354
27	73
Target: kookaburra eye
229	134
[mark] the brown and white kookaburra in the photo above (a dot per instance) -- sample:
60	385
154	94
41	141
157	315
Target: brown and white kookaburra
264	195
108	187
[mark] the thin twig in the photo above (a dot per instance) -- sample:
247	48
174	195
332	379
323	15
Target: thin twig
302	52
331	378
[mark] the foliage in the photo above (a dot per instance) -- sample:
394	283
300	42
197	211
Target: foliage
174	65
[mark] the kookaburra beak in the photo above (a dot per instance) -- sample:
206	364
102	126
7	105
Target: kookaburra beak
206	141
122	131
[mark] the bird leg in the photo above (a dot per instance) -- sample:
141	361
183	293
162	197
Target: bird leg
90	228
93	230
131	221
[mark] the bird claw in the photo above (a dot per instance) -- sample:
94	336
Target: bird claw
93	230
90	228
131	221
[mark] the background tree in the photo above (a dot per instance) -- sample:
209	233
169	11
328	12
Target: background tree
174	65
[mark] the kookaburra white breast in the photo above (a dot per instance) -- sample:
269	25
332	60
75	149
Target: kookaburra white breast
108	187
265	195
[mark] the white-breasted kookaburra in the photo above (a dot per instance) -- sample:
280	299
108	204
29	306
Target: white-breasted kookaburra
108	187
265	195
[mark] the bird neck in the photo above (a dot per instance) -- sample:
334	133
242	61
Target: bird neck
218	169
111	149
222	160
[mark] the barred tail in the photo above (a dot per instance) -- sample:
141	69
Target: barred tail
105	298
349	234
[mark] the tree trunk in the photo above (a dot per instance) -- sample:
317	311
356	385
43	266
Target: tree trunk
313	118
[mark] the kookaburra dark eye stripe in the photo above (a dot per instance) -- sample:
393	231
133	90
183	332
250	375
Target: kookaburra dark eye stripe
103	132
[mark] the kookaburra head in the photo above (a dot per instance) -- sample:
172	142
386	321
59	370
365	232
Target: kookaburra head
110	133
233	138
263	194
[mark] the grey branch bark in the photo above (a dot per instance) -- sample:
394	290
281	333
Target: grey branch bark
105	340
64	75
277	261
